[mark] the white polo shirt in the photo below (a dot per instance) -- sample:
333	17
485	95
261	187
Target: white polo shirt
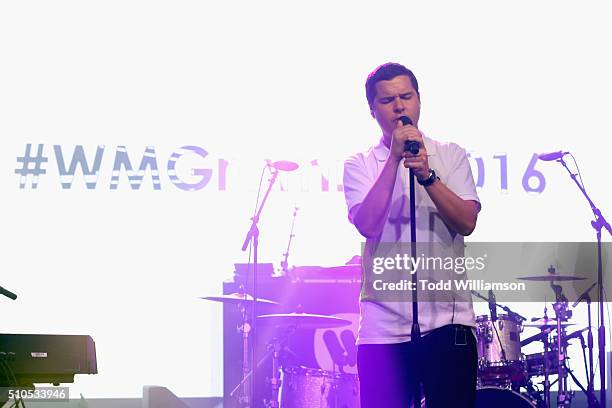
384	322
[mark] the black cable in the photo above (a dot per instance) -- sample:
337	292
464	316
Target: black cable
578	170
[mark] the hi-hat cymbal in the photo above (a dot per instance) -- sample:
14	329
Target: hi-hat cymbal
542	322
551	278
238	298
303	320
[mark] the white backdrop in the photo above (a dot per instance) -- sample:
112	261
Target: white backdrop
249	81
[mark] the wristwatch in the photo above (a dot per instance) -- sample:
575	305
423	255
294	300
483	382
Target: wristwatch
429	180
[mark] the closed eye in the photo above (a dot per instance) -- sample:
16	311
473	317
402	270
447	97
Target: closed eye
405	96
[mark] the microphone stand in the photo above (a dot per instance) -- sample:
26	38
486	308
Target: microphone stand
598	224
415	333
591	373
253	234
7	293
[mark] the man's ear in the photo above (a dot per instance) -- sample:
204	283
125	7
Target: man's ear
372	112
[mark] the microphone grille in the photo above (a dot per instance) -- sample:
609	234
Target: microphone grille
405	120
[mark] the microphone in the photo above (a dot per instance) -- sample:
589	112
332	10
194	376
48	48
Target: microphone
283	165
577	333
492	309
7	293
552	156
584	295
409	145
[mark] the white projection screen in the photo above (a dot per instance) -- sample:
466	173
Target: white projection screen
203	93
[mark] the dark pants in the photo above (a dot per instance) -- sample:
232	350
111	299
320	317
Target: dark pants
444	362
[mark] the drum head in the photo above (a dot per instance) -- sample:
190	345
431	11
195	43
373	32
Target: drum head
491	397
304	387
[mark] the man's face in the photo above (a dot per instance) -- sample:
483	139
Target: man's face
395	98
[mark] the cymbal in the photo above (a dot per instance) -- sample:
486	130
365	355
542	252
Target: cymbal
238	298
550	322
551	278
303	320
354	269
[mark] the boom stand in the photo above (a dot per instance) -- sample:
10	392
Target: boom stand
253	234
599	223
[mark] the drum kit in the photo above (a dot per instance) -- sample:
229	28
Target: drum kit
507	376
291	386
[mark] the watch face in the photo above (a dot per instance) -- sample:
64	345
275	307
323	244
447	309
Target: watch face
429	180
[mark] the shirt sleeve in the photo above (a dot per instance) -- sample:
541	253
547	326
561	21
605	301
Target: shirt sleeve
460	179
357	181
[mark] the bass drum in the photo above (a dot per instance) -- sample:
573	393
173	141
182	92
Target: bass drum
488	397
304	387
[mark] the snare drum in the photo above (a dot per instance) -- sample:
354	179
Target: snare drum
492	339
534	364
312	388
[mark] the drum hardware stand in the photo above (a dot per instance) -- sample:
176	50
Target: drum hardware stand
591	400
274	349
284	263
245	328
546	383
589	370
534	394
562	314
590	394
253	235
598	224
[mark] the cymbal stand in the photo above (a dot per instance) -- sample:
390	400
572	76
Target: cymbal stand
244	400
546	384
284	262
563	314
275	347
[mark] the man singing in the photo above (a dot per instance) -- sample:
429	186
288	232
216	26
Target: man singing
376	186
